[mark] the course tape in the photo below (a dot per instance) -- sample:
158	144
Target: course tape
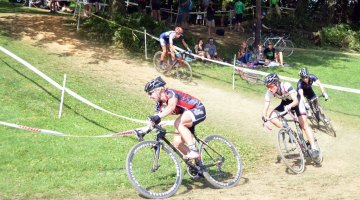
344	89
70	92
56	133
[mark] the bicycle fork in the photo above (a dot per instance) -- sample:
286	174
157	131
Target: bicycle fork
155	164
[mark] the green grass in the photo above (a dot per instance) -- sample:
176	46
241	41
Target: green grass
42	166
38	165
330	68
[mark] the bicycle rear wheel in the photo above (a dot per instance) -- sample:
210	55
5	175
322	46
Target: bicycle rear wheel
150	181
221	161
250	41
184	71
290	151
326	121
288	49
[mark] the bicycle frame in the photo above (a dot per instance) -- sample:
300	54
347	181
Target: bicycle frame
160	136
298	134
278	40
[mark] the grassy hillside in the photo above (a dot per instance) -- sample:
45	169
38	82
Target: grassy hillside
44	166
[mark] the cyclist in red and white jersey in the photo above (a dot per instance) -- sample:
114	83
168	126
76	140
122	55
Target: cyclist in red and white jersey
166	40
190	110
290	100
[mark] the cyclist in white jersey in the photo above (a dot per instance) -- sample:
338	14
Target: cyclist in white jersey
166	40
290	100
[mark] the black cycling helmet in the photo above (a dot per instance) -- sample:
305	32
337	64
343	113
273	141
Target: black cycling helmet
155	83
303	72
271	78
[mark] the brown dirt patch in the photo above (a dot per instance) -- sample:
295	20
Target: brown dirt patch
336	179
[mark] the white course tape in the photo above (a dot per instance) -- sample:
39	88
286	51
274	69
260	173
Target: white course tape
70	92
56	133
357	91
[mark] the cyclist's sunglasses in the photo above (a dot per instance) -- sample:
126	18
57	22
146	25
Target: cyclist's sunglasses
270	86
151	92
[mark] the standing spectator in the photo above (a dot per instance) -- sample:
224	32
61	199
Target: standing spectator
199	16
210	17
54	6
199	48
88	7
273	58
155	9
239	11
275	4
97	6
142	6
205	4
210	49
184	13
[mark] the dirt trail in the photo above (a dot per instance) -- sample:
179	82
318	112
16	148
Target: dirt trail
338	178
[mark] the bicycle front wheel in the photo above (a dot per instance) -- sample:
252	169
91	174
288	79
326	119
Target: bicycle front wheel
252	78
326	121
184	71
221	162
153	176
290	151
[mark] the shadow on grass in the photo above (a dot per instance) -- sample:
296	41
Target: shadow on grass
57	99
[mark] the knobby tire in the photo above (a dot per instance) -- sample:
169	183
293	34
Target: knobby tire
290	151
222	162
160	183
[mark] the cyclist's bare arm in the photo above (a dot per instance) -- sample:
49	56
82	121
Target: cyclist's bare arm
320	85
301	92
266	107
295	101
185	45
169	108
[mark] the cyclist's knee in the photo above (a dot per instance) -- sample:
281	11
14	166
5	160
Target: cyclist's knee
177	141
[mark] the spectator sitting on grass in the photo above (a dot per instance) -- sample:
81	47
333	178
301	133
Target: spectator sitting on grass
210	50
199	48
244	54
273	58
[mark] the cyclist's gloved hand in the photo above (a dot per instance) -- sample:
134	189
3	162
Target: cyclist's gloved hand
155	119
326	96
177	54
264	119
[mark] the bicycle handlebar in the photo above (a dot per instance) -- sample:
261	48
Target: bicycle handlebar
140	133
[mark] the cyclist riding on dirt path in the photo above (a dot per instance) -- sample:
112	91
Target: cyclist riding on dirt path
290	100
166	40
190	110
304	88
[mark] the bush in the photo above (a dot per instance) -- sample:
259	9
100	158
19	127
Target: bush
341	36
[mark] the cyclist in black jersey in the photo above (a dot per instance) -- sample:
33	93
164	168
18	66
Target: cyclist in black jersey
304	87
190	110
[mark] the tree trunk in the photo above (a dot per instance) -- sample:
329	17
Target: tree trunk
258	23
